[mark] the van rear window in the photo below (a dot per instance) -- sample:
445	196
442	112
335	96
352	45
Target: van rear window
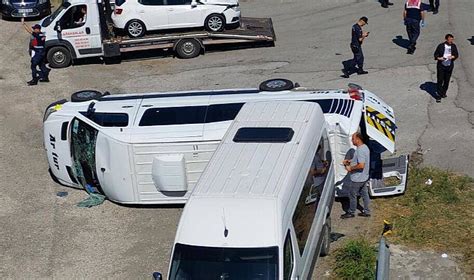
264	134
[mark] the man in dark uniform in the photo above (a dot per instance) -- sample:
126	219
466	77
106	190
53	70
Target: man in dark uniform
413	17
358	37
434	6
37	54
446	53
386	3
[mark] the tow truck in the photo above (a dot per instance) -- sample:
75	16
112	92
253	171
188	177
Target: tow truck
67	40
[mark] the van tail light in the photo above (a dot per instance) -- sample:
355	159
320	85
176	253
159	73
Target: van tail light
118	11
355	92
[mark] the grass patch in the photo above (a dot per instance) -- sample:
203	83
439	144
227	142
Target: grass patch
356	260
437	216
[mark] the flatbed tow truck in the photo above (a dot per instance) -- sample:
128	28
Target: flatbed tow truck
67	41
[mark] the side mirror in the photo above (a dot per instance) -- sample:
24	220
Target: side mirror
157	276
194	4
57	26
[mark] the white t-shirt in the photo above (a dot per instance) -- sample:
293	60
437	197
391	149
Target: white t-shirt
446	55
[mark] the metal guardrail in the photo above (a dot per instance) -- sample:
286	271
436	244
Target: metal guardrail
383	260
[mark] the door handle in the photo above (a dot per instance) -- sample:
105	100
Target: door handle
88	30
170	9
102	169
141	11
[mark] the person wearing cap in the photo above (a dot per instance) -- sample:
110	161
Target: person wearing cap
37	54
358	36
413	18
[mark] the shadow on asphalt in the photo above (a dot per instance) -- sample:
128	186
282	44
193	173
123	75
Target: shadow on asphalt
399	41
430	88
471	40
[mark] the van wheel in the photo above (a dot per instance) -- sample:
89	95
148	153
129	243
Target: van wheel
58	57
135	28
276	85
326	235
188	48
214	23
85	95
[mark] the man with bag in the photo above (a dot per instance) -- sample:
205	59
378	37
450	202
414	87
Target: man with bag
358	37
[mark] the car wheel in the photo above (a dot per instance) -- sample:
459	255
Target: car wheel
276	85
215	23
58	57
135	28
326	236
188	48
85	95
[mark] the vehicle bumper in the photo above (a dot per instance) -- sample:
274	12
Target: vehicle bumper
232	16
25	12
119	21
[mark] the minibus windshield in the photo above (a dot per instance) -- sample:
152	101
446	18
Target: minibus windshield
47	21
196	262
83	141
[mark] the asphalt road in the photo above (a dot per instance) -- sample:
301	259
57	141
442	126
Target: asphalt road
45	236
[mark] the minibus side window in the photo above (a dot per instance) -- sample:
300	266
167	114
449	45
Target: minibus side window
288	262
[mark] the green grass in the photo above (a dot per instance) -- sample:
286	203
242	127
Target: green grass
356	260
437	216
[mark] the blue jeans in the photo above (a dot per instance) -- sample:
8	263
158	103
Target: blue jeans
356	189
39	60
413	31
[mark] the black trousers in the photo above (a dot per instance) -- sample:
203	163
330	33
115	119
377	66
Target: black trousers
444	75
39	60
413	31
434	4
358	57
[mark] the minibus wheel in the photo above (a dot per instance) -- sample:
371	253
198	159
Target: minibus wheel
85	95
58	57
276	85
188	48
326	238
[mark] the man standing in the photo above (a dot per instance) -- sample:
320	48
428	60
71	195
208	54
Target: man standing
386	3
434	6
413	17
446	53
358	37
37	54
358	168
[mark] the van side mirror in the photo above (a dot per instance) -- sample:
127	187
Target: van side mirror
157	276
194	4
57	26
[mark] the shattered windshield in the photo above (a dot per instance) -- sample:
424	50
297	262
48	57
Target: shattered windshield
83	140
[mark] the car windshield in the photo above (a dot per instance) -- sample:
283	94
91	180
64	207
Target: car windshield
83	140
47	21
195	262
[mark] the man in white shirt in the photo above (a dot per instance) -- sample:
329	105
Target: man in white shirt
446	53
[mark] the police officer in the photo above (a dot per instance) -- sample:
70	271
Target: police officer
413	17
358	37
37	54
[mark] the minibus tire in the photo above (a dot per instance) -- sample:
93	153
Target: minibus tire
85	95
276	85
58	57
188	48
326	241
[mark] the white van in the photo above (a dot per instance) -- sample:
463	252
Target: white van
152	148
248	217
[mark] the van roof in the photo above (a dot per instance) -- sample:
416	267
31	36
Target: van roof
261	176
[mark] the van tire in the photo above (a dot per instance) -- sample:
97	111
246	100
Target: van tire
276	85
85	95
326	241
135	28
214	23
59	57
188	48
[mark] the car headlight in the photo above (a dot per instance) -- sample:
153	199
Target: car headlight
53	107
236	8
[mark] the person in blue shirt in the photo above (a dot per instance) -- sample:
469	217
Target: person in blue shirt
413	17
358	36
37	47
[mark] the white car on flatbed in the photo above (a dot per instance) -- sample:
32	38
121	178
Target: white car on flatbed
152	148
138	16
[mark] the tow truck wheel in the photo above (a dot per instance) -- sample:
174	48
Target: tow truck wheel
215	23
58	57
326	236
135	28
188	48
85	95
276	85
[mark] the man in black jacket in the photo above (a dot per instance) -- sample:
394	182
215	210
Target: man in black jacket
446	53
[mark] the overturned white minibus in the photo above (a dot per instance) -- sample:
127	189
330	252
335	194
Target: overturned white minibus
152	148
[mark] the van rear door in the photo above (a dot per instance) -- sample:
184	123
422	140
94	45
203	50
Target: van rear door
395	177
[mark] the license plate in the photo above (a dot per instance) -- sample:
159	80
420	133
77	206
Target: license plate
24	11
